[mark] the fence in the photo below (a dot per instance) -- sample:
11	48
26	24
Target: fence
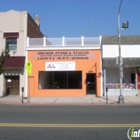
64	42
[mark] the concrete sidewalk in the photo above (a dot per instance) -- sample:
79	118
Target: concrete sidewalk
87	100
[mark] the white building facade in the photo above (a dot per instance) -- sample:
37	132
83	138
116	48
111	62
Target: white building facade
15	26
130	52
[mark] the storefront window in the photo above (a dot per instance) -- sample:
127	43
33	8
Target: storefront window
60	80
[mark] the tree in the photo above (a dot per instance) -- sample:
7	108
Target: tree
4	54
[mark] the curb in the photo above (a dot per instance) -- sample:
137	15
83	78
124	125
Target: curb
69	104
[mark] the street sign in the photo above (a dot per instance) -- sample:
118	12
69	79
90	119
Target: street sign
29	71
29	67
121	74
117	60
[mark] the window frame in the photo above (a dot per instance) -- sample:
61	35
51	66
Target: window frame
62	81
11	43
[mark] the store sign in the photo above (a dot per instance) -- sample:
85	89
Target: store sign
63	55
9	80
58	66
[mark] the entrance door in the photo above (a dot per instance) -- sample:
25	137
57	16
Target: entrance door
91	83
12	85
133	78
138	80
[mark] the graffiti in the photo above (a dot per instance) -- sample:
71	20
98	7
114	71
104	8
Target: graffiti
117	86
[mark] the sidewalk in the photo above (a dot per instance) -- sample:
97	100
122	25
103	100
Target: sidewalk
87	100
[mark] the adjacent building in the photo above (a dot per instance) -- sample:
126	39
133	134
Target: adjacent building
15	27
130	52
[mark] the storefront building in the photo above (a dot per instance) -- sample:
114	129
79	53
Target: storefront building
130	48
64	66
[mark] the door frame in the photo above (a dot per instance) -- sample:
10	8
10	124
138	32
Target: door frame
91	90
12	85
138	80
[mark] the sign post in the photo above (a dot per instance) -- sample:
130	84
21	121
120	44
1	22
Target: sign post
29	72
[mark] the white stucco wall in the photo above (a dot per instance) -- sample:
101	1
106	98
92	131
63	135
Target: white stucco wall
14	21
1	85
112	51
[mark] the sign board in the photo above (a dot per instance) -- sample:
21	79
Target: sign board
118	60
9	80
29	67
59	66
29	71
121	74
63	55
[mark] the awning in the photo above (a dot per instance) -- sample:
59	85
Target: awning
11	35
127	62
15	62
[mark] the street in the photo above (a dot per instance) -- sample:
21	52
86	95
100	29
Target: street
67	122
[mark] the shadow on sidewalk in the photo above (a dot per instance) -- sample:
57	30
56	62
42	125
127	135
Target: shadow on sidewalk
108	100
114	101
3	96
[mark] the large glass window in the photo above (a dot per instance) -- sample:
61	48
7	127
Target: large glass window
60	80
11	43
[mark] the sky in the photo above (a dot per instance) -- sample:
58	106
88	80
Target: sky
76	18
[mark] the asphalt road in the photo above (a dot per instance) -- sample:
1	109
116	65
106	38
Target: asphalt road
67	122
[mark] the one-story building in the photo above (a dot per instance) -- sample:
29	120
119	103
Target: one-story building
130	52
64	66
